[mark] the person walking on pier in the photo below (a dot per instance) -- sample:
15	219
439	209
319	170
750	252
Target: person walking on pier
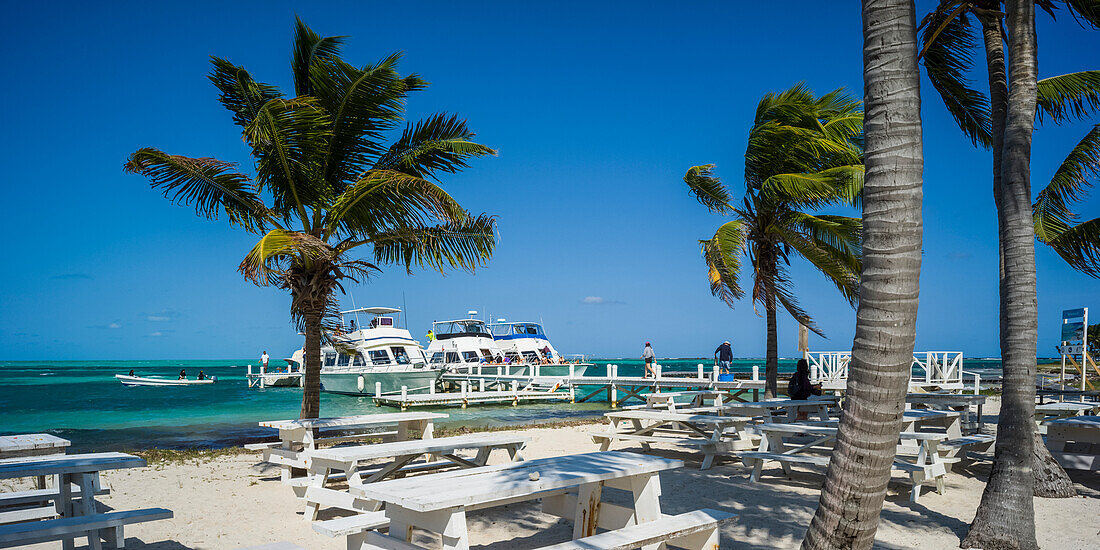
723	357
648	356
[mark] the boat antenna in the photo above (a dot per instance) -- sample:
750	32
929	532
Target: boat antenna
405	309
357	322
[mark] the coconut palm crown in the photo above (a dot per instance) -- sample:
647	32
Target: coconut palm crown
949	37
803	153
334	184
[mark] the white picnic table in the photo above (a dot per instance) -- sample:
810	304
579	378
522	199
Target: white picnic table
967	404
712	434
297	439
667	400
83	471
20	445
917	419
353	463
1054	410
569	486
918	454
1075	441
780	410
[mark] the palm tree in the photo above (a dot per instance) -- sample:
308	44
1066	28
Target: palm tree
878	376
948	40
803	153
333	183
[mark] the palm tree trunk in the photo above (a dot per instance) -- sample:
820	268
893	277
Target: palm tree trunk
1006	516
855	486
771	364
311	382
1051	480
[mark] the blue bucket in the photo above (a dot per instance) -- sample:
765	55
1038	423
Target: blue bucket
726	377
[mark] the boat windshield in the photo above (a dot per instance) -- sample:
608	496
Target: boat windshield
454	329
518	330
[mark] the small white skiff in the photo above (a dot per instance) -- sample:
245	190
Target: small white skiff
143	381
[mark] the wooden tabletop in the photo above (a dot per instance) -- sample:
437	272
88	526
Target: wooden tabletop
810	429
474	486
29	442
1066	406
67	464
352	421
1080	421
415	446
671	416
784	403
940	397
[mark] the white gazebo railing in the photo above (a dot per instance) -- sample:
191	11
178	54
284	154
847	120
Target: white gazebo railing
943	369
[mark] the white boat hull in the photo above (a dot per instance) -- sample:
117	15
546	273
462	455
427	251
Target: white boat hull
142	381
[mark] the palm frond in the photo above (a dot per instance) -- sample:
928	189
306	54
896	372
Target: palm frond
211	185
465	244
385	200
1051	211
708	188
240	93
1069	96
832	246
785	296
439	143
364	104
815	190
288	138
948	58
278	251
310	47
722	254
1079	246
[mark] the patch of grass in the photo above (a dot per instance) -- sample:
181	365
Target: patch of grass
158	457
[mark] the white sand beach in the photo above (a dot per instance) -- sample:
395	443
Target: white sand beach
232	501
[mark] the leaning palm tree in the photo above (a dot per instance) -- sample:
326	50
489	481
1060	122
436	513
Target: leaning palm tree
335	188
949	38
882	351
803	153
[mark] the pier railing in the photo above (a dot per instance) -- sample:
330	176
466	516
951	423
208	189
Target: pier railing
942	369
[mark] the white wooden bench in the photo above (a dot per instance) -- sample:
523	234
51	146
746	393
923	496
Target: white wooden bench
712	434
958	450
927	467
1075	442
355	528
350	461
19	534
696	530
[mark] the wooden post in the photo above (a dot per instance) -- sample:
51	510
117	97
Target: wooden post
715	374
803	339
700	367
378	389
756	373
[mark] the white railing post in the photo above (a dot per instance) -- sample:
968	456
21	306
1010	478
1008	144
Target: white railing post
714	374
465	386
756	373
378	389
537	369
479	369
481	384
498	371
977	383
700	367
404	393
656	370
571	372
431	388
814	375
609	370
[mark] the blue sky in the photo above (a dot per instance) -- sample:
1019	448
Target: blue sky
597	112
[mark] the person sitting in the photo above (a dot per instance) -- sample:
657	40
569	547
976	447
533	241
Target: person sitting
202	375
183	374
131	373
799	387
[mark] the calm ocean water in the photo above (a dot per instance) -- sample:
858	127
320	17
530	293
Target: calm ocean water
83	402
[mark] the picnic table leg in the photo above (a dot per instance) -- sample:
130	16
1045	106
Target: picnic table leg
290	440
317	481
647	501
587	515
455	535
64	505
87	508
637	428
515	452
954	427
606	443
709	451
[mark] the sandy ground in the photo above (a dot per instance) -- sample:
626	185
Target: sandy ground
232	501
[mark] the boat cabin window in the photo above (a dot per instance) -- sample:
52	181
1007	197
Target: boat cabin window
488	355
379	356
342	360
358	360
501	330
381	322
512	356
437	357
455	329
400	355
530	357
330	359
469	356
529	329
452	357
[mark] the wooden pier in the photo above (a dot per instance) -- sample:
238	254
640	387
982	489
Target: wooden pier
467	398
263	378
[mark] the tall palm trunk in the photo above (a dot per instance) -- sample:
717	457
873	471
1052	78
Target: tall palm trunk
1051	480
1006	516
771	362
848	511
311	382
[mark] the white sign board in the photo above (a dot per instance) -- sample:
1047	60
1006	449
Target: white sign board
1073	349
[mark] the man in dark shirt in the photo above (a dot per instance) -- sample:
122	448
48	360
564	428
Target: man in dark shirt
723	356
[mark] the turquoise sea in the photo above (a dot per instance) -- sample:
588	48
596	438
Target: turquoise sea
83	402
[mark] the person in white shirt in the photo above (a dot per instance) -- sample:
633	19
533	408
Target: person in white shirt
264	359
